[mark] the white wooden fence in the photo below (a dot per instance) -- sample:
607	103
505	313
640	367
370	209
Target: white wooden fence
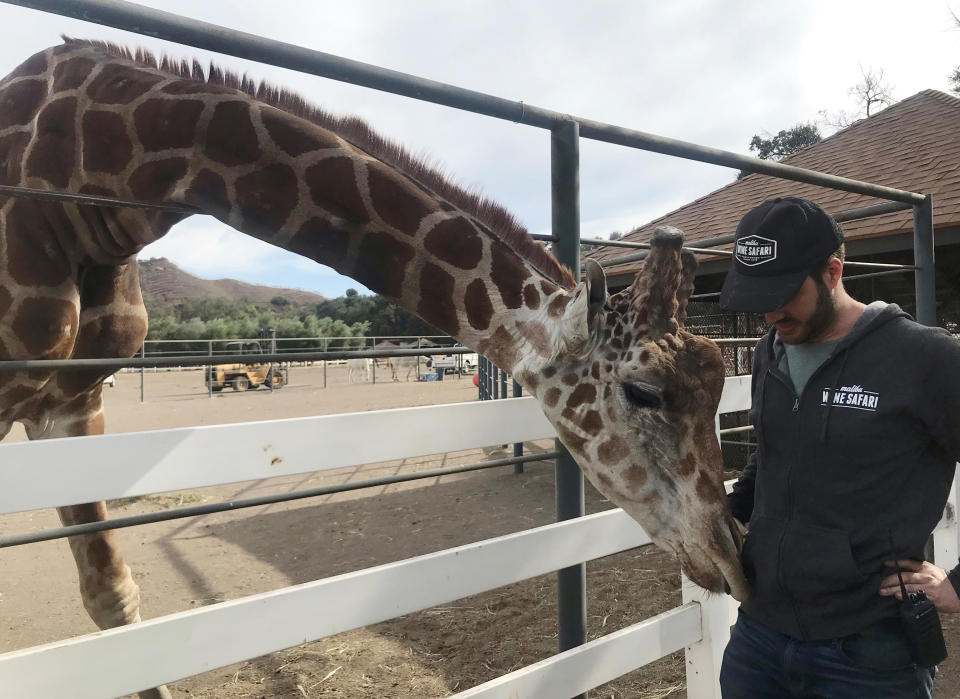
64	471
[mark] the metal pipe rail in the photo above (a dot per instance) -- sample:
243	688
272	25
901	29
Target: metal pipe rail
203	35
205	359
198	510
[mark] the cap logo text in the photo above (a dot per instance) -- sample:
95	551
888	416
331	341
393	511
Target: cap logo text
755	250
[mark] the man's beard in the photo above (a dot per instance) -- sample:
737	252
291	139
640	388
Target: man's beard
824	314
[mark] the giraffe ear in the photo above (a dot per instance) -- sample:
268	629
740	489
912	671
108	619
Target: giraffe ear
596	281
586	301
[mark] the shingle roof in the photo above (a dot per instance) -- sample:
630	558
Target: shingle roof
913	145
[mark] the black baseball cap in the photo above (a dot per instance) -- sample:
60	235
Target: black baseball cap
777	245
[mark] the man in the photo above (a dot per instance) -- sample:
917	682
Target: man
857	416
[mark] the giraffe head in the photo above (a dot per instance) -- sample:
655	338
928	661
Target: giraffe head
634	397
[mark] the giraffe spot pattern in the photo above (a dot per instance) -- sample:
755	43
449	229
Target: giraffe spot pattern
106	146
531	297
686	465
209	191
606	482
35	65
455	242
293	136
508	273
70	74
529	380
500	348
231	139
153	181
165	124
583	394
398	203
570	439
333	186
52	156
549	372
266	197
39	324
547	288
571	379
551	397
20	101
320	240
536	334
477	302
12	148
557	306
592	423
18	393
613	450
436	306
382	263
119	84
33	260
634	476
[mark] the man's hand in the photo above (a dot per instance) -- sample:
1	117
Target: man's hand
922	575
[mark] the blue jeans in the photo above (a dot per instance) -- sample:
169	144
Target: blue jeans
760	663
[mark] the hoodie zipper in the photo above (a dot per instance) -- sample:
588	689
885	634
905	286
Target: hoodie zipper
788	384
794	466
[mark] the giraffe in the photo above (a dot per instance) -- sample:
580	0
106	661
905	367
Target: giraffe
630	392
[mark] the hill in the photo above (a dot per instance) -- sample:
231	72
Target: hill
164	282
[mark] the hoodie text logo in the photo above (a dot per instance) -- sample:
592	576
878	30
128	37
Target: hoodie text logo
851	397
755	250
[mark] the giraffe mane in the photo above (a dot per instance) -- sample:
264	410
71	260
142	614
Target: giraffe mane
502	224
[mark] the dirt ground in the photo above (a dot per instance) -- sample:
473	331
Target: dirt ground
188	563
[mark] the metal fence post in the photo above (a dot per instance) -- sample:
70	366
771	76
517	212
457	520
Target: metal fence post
208	371
565	220
143	354
518	446
925	275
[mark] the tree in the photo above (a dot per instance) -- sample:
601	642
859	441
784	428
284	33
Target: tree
785	143
870	94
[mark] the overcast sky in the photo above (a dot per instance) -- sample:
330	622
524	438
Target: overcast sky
713	73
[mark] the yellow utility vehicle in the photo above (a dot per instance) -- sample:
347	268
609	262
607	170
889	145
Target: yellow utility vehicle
241	377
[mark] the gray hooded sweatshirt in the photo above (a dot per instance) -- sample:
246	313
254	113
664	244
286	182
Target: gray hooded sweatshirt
852	472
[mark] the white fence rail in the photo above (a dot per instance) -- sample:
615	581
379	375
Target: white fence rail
162	650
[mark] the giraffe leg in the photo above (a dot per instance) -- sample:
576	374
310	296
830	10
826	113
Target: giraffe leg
107	589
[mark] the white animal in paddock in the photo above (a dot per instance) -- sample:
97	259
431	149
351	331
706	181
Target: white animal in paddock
360	367
405	366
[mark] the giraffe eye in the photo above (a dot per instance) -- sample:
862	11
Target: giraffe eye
642	397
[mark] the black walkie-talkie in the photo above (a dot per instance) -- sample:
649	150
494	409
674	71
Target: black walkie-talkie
921	625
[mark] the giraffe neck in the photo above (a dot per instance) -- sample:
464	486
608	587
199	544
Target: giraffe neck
157	136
